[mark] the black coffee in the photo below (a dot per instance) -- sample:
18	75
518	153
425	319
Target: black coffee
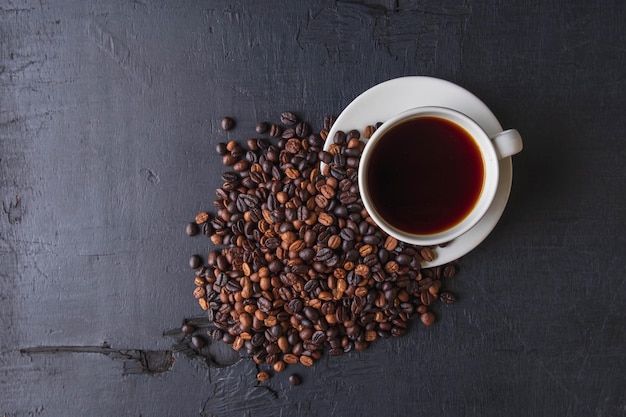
425	175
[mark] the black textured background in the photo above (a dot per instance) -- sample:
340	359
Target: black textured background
109	113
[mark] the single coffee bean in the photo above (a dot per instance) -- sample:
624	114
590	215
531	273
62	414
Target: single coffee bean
340	138
202	217
449	271
228	123
288	118
262	376
427	318
192	229
353	134
275	131
303	129
221	149
262	127
447	297
195	262
295	380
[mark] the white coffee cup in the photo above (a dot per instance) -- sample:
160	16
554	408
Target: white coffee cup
491	149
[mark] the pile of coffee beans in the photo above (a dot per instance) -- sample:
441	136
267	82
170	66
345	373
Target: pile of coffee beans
299	266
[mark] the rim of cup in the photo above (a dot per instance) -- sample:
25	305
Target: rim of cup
490	177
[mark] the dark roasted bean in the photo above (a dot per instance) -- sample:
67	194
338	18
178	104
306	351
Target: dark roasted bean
228	123
288	118
195	262
262	127
294	380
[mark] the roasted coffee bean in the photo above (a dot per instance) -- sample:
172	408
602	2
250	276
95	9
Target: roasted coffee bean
427	318
449	271
324	254
303	129
447	297
296	305
262	127
262	376
192	229
353	134
228	123
275	131
221	149
195	262
264	304
288	118
307	254
427	254
340	138
294	380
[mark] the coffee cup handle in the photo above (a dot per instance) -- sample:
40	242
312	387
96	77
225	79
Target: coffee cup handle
507	143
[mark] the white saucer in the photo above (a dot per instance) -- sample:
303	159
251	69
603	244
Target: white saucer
389	98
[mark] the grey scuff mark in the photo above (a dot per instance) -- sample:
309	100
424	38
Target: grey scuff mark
385	4
498	314
12	120
150	175
238	393
14	211
119	52
23	67
135	361
16	10
395	30
337	28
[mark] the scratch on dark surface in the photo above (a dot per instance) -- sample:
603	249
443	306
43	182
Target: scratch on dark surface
405	34
532	353
16	10
13	210
135	361
119	52
238	393
150	175
387	4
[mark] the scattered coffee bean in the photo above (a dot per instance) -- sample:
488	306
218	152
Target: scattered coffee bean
202	217
447	297
288	118
221	149
228	123
275	131
295	380
262	128
192	229
195	262
427	318
262	376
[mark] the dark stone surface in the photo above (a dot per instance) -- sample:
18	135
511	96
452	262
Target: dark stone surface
109	115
